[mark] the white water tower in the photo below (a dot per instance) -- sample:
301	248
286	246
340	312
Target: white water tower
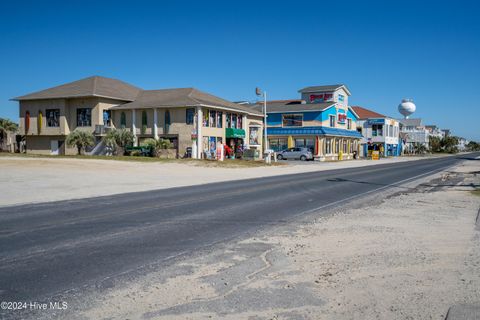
407	107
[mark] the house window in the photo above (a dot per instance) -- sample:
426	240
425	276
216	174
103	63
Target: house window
328	146
189	115
143	129
377	130
84	117
341	98
292	120
228	120
349	124
53	117
123	120
168	121
239	122
332	121
234	120
213	119
219	119
206	115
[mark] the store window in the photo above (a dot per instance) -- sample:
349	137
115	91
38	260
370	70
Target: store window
345	146
84	117
337	146
278	144
239	121
53	117
234	120
189	115
328	146
254	136
305	143
219	119
332	121
292	120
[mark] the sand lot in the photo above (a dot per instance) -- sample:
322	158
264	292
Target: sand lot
29	180
411	255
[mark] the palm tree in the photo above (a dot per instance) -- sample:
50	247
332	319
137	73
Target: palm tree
157	145
80	139
6	126
116	139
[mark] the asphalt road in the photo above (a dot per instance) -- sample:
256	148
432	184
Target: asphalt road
50	248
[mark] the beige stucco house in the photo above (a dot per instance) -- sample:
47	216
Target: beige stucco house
191	119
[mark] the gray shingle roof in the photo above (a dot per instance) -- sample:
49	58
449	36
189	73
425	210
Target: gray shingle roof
330	87
414	122
182	97
274	106
89	87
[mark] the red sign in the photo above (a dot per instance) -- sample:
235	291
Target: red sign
316	97
342	117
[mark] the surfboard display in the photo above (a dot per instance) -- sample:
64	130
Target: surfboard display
39	122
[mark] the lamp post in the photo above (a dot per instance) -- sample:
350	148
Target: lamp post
259	93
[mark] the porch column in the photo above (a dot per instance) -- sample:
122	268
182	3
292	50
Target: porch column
199	132
134	127
155	121
244	127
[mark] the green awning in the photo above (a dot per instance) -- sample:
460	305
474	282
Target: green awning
234	133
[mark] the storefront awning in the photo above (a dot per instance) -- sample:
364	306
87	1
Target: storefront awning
234	133
321	131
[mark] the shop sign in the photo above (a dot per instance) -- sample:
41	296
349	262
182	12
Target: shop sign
376	121
316	98
375	155
342	117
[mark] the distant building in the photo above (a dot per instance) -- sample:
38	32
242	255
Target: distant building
414	134
321	121
462	144
380	133
435	131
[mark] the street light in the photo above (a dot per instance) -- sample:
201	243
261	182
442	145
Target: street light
259	93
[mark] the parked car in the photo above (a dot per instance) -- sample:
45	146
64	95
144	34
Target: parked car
295	153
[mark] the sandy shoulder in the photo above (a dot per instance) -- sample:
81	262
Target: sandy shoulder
410	256
32	180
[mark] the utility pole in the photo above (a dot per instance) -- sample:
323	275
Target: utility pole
259	92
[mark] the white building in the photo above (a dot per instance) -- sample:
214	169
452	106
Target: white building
413	133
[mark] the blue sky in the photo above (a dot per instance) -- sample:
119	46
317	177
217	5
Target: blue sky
382	50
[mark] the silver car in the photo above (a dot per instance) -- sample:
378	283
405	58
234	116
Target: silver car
296	153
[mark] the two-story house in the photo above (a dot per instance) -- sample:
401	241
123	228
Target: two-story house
414	134
380	133
189	118
321	120
48	116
